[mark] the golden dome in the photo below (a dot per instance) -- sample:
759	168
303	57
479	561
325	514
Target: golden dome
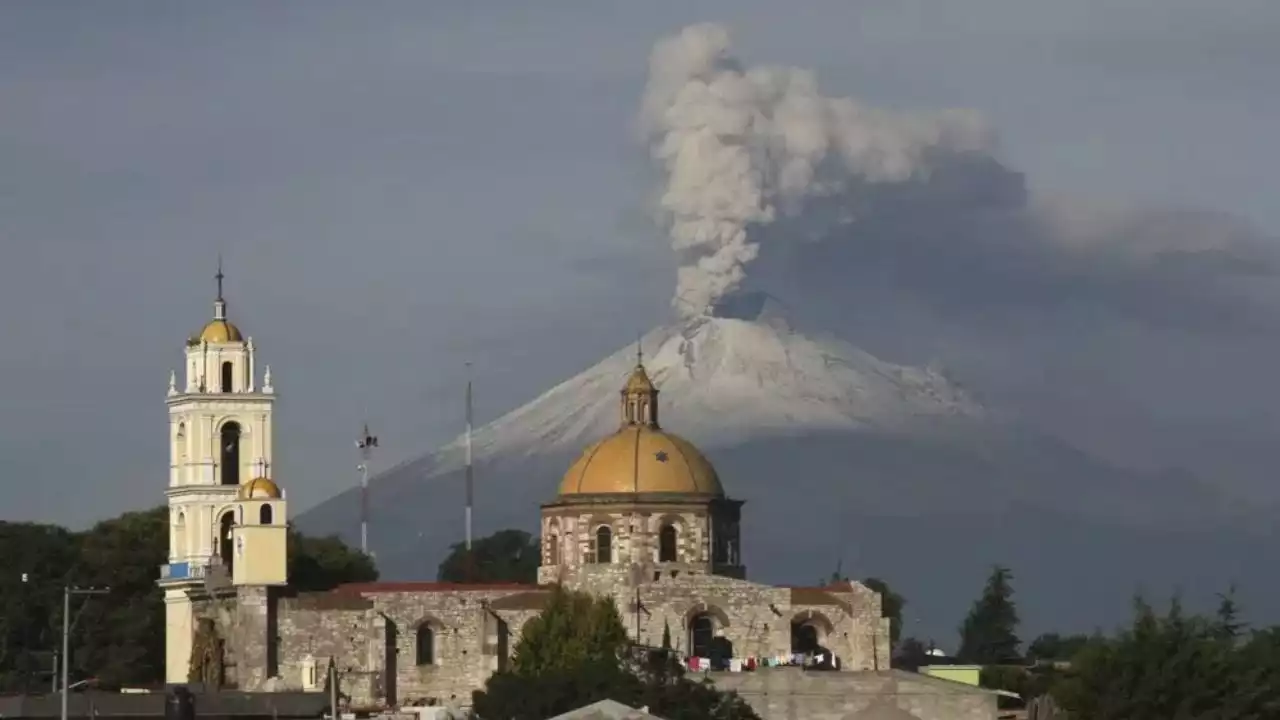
221	331
259	488
642	459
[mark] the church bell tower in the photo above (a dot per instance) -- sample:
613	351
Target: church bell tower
222	502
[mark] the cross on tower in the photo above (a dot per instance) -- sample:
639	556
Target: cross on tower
219	276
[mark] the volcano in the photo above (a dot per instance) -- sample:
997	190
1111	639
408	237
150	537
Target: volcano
845	461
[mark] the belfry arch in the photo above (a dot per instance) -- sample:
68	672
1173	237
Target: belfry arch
229	453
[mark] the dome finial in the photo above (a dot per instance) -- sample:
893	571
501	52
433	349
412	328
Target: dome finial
219	305
639	349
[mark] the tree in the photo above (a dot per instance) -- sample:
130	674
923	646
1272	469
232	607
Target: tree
323	563
576	652
119	637
989	633
37	559
891	605
574	629
1174	666
1053	647
507	556
910	655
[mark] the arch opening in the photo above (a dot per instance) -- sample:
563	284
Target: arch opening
667	543
604	544
706	640
180	536
229	455
228	376
265	514
553	550
810	635
226	543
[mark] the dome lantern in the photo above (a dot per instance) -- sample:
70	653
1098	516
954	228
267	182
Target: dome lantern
639	397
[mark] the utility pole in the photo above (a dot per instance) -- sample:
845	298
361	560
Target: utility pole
333	689
366	443
67	592
471	563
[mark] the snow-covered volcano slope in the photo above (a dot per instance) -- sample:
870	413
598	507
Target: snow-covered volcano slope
832	449
728	380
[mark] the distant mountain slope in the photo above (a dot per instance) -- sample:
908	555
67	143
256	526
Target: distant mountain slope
840	456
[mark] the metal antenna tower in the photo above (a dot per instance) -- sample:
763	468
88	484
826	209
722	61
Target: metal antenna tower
470	479
365	443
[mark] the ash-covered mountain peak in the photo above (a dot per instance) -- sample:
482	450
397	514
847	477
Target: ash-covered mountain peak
727	378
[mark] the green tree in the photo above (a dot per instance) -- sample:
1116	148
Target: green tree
989	633
323	563
576	652
37	560
117	638
891	606
506	556
1053	647
1174	666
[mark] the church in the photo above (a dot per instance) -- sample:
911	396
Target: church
641	517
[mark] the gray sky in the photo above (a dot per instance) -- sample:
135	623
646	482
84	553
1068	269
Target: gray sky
400	187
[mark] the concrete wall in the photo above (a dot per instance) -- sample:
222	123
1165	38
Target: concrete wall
793	694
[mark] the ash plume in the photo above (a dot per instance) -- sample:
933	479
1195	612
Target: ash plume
743	147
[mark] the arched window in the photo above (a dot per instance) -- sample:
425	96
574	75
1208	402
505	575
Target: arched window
426	645
264	514
226	546
702	632
230	454
228	374
667	543
604	544
553	550
180	536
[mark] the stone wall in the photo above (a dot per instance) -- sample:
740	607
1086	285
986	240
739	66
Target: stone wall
471	632
373	633
794	694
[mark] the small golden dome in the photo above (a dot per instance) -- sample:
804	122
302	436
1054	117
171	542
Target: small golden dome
639	382
221	331
259	488
642	459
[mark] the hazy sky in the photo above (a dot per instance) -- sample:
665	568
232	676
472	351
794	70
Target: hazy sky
400	187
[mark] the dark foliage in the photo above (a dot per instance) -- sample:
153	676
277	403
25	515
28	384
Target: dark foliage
116	638
505	556
322	563
891	606
989	633
576	653
1176	666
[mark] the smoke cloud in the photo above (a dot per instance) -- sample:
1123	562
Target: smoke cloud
743	147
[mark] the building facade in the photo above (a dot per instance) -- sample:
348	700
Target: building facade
641	517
